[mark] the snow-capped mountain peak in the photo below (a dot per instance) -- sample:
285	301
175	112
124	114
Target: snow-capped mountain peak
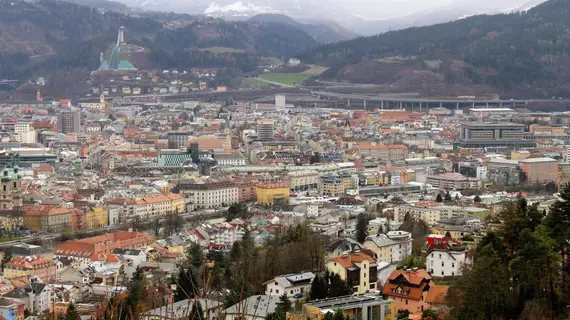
236	8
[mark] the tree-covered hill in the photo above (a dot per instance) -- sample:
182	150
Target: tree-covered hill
64	35
523	53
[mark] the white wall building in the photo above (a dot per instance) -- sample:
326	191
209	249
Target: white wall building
210	195
445	258
25	133
290	284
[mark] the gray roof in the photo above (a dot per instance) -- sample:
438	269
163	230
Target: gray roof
17	293
255	306
345	244
382	240
24	249
127	252
295	279
181	309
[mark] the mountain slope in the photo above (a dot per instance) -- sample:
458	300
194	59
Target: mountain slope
49	35
522	54
322	32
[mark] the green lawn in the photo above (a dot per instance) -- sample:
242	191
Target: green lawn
286	78
222	50
255	83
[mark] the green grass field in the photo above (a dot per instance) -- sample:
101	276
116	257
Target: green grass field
286	78
221	50
255	83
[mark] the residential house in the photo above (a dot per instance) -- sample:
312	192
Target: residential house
11	310
135	255
48	218
96	217
178	203
359	267
36	297
445	257
342	246
428	213
126	206
84	249
393	246
409	289
30	266
210	195
289	284
437	298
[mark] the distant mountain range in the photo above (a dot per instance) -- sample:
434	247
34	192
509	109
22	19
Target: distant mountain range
55	35
321	31
346	13
521	54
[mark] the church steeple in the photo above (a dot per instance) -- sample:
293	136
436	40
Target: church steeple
347	130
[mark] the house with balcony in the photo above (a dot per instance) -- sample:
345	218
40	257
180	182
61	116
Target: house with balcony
410	290
358	267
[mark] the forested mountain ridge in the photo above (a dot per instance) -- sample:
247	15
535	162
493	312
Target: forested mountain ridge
322	32
64	35
518	54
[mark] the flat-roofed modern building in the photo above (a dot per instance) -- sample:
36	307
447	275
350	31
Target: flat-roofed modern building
482	135
365	307
542	170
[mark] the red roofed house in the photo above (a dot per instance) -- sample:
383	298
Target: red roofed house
445	256
24	267
359	267
437	298
85	249
409	289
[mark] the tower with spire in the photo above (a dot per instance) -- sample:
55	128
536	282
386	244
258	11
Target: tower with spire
347	130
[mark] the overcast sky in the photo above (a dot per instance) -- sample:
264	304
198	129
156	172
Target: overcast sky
386	9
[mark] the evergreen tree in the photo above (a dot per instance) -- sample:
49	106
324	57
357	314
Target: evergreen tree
196	313
138	275
439	198
186	285
5	259
477	199
319	288
361	228
447	197
196	255
71	313
282	307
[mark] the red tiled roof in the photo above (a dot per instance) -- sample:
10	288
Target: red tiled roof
413	277
437	294
409	292
349	260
